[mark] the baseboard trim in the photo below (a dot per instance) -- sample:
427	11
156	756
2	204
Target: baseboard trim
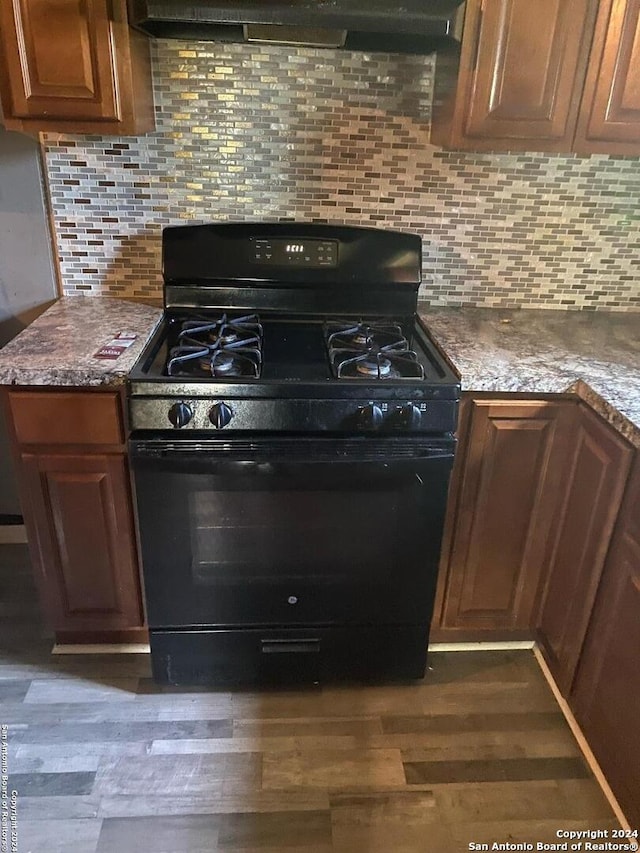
13	534
482	646
143	648
581	740
101	649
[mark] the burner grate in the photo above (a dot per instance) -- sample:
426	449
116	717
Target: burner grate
218	349
370	350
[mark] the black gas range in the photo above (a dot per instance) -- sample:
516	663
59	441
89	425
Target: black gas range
292	443
274	372
326	339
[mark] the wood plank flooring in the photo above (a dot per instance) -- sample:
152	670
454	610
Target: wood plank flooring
106	762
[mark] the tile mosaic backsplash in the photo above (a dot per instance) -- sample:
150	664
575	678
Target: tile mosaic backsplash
247	133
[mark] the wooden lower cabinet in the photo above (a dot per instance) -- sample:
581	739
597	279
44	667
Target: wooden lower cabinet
76	501
606	692
81	516
599	466
503	504
534	516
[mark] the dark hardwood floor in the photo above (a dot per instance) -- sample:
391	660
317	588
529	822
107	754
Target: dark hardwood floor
106	762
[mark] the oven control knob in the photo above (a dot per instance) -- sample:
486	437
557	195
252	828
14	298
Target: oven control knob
410	416
180	414
220	415
369	417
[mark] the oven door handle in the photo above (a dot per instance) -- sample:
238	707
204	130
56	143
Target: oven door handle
303	646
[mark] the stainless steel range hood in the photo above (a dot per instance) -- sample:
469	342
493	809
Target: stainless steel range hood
410	26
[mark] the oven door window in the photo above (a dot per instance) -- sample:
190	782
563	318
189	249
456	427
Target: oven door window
257	535
285	542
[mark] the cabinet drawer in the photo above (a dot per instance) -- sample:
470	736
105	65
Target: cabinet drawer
287	656
62	417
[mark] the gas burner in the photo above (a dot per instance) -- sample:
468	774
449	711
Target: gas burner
236	360
185	360
362	335
385	363
217	349
225	363
222	330
374	366
370	350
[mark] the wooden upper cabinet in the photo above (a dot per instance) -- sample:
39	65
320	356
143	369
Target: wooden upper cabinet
48	83
599	468
554	75
74	66
521	74
529	58
610	113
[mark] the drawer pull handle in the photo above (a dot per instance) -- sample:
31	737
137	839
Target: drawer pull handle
276	647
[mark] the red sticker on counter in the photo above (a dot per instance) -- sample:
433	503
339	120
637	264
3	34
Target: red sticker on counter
116	346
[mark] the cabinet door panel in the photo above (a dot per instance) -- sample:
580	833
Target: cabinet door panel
504	513
610	111
85	556
77	82
529	62
83	495
606	695
599	470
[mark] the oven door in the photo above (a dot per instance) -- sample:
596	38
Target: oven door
313	531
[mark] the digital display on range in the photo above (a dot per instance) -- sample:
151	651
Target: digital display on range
296	253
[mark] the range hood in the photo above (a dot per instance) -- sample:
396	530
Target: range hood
410	26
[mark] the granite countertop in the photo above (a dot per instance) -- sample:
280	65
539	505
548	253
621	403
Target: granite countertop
59	347
593	355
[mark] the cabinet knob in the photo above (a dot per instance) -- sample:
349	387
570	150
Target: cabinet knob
180	414
220	415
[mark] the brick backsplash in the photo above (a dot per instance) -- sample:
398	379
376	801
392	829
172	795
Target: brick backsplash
271	133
